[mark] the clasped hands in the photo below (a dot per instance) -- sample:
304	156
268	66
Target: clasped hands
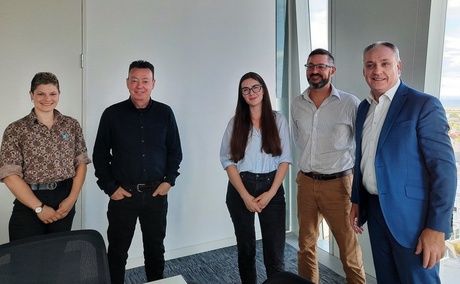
49	215
258	203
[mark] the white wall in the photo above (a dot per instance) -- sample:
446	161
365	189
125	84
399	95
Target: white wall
405	23
200	49
37	36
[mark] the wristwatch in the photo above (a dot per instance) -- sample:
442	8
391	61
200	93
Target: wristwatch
39	208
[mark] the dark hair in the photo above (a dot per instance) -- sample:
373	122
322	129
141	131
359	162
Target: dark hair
44	78
322	51
271	142
142	64
383	43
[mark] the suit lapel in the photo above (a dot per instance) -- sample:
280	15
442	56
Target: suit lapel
360	119
397	103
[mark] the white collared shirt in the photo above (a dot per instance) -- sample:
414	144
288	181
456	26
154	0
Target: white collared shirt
324	136
371	134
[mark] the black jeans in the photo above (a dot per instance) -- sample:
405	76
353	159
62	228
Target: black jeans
24	222
122	216
272	223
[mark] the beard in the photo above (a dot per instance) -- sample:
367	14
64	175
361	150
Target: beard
319	84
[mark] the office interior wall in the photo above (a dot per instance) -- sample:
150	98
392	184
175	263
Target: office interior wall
200	50
356	24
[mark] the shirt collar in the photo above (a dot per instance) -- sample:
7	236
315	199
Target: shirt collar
140	109
33	118
334	92
389	94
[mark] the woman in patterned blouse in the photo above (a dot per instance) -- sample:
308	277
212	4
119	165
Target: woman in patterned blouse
43	162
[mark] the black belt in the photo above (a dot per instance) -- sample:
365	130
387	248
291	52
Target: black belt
254	176
142	187
318	176
49	185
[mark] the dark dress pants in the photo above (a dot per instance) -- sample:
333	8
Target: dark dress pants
393	262
272	223
122	216
24	222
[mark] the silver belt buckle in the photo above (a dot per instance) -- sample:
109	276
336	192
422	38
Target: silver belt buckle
138	186
51	185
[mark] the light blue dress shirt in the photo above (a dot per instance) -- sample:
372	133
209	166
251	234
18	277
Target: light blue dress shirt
255	160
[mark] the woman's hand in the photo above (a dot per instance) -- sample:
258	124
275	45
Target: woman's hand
263	199
251	204
48	215
65	206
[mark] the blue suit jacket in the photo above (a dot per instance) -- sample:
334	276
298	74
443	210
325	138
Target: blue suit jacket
415	167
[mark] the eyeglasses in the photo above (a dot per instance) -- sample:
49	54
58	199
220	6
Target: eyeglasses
255	89
321	67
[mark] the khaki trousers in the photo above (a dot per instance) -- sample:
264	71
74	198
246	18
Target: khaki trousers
329	199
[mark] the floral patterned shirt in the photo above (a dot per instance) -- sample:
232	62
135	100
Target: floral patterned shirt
38	154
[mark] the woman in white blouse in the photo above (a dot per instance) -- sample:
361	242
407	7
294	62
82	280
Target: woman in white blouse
256	154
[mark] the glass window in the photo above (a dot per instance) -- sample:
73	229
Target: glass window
319	31
450	98
319	24
282	99
449	94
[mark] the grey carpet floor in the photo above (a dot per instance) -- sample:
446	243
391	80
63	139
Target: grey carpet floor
220	266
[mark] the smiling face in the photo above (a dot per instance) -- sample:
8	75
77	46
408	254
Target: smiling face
252	98
319	78
140	84
45	97
381	69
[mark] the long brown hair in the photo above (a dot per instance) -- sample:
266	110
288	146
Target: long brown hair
242	126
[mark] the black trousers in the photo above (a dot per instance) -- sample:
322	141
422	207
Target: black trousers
122	216
272	223
24	222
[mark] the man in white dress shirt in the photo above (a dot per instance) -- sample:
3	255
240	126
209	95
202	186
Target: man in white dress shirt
323	122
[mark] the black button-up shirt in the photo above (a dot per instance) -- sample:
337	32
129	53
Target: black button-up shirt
136	146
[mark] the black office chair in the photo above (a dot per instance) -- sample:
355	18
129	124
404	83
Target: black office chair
69	257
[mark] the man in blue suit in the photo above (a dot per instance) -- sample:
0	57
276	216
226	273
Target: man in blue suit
405	175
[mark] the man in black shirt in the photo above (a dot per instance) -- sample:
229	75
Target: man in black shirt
136	157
